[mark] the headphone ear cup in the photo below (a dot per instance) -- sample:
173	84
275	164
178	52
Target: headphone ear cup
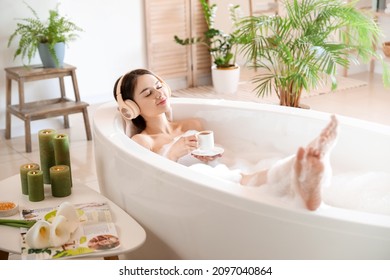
129	109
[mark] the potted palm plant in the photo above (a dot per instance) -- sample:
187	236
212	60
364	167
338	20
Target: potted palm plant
48	38
222	48
300	50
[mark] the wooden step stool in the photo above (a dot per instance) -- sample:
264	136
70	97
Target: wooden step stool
44	108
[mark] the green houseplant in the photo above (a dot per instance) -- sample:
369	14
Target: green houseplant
36	34
221	46
301	49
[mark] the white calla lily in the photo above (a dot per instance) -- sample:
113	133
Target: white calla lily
60	232
38	236
68	210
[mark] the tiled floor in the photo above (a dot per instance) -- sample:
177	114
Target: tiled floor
370	103
12	151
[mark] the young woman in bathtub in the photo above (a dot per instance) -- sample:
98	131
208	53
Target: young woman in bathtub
143	99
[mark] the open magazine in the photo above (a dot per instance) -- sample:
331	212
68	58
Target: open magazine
95	232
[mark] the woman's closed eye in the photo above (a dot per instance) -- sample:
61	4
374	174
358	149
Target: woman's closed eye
148	91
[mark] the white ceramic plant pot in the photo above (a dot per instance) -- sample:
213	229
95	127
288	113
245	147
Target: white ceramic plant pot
225	80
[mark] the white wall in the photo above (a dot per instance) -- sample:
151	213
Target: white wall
223	22
112	43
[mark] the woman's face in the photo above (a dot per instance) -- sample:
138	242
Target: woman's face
151	96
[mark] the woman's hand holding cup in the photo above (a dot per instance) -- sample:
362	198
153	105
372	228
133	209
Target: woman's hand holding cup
205	141
182	147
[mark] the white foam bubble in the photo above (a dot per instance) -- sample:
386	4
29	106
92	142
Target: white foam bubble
369	192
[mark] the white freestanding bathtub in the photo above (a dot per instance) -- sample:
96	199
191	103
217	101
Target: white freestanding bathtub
189	215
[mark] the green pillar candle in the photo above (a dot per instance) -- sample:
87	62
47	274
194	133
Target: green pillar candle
23	174
60	180
35	185
46	152
61	151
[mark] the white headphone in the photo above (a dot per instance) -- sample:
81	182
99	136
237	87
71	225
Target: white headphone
128	108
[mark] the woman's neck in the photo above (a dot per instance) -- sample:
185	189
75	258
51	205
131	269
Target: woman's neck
158	125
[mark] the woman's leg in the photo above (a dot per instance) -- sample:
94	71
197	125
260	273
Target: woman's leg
312	167
302	174
254	179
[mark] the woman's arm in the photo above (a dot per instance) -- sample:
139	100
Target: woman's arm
192	124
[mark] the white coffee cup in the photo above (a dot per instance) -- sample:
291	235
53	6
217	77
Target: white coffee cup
205	140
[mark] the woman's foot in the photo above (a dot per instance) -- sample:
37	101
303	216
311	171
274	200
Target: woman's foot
326	140
309	170
309	165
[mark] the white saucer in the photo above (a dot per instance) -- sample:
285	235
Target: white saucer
210	153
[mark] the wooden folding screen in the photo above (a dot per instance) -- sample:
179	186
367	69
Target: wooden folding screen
261	7
166	18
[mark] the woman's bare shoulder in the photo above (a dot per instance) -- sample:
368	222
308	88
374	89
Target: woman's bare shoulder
144	140
191	124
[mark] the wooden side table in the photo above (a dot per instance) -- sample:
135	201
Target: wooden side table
131	234
44	108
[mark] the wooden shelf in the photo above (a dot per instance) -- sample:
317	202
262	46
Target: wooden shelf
47	108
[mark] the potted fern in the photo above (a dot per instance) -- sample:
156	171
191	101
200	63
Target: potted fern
48	38
222	48
301	49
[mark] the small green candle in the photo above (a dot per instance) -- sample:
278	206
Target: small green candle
60	180
23	174
61	151
35	185
46	152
